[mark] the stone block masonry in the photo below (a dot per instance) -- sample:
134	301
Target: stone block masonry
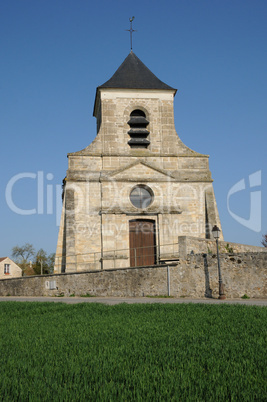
194	276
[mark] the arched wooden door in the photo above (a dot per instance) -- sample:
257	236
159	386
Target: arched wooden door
142	242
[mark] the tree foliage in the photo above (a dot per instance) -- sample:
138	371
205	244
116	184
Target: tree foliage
42	263
264	240
23	253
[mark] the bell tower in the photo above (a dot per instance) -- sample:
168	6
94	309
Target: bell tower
137	186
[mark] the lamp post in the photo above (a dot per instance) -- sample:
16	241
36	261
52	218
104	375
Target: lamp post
216	235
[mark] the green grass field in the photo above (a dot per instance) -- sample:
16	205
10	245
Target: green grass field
156	352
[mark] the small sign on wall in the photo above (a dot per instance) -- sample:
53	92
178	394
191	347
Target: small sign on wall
50	285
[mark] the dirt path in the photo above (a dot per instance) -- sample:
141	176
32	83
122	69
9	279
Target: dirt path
131	300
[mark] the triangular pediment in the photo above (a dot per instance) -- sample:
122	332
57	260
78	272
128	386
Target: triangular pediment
140	171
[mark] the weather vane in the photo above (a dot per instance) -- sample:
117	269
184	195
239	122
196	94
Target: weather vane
131	30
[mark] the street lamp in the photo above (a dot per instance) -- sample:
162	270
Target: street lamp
216	235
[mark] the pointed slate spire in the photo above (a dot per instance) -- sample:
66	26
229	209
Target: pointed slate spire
133	74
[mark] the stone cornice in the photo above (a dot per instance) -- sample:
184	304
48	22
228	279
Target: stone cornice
130	211
178	176
131	155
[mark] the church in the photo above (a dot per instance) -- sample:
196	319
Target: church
137	187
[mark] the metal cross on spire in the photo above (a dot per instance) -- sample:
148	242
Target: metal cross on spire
131	30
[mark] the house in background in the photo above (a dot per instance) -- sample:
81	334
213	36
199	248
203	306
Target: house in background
8	269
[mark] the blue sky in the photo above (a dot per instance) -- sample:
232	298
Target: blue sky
55	53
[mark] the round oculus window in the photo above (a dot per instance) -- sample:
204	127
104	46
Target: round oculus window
141	196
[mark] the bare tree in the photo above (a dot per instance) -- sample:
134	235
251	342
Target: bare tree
264	240
22	255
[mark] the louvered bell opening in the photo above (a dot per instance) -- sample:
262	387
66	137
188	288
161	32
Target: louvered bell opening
138	131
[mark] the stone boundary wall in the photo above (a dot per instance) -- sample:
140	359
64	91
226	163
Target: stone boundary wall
198	245
194	276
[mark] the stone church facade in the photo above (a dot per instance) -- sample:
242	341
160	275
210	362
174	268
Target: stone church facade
136	188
